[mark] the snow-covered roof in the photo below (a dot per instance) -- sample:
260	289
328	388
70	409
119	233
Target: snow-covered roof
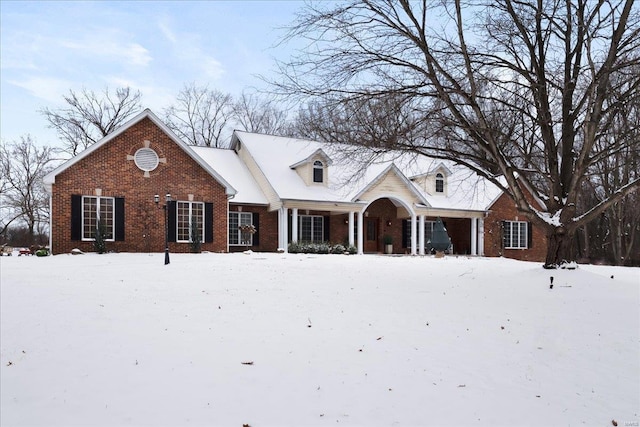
350	174
227	163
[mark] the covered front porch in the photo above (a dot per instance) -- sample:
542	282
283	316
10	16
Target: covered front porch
371	226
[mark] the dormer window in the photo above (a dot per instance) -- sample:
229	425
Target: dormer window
318	171
439	183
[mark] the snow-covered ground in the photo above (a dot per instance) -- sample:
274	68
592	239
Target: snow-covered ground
297	340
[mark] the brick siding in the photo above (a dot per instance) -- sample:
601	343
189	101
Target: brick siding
108	169
504	209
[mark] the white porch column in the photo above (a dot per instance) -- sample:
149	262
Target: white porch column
283	229
360	234
294	224
421	236
414	234
474	236
351	239
481	236
51	223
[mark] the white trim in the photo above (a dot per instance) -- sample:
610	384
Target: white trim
511	228
360	232
294	224
481	236
351	236
392	167
421	235
318	153
474	236
190	203
239	233
113	217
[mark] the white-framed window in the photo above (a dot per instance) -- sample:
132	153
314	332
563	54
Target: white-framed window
311	228
96	209
318	171
189	215
515	234
439	183
237	219
428	231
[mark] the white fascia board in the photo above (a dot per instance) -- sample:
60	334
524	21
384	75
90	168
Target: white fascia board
318	153
403	178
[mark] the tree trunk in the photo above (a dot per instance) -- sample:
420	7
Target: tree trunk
559	247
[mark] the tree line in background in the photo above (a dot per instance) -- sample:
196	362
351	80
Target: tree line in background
537	97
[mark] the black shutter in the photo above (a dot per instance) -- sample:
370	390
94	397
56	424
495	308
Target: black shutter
208	222
289	232
171	220
529	235
405	228
256	224
503	227
327	228
76	217
119	210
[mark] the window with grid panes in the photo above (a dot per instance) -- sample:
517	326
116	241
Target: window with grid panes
311	228
96	209
515	234
236	219
187	212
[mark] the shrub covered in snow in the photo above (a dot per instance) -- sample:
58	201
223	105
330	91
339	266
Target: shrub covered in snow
319	248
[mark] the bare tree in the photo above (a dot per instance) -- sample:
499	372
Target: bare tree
517	91
90	116
254	114
200	115
24	198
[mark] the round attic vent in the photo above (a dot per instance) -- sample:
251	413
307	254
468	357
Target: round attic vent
146	159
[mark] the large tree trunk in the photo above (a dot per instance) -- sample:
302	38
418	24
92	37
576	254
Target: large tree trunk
559	247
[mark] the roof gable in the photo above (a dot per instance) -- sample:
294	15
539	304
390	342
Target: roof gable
319	153
50	178
383	176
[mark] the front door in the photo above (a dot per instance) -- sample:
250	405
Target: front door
371	235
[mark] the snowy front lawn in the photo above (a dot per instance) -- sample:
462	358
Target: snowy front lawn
297	340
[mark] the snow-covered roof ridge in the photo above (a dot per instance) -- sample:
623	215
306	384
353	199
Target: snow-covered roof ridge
356	169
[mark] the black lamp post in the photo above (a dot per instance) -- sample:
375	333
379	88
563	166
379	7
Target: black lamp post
156	199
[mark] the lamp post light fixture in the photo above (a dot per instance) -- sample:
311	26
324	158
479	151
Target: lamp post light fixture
156	199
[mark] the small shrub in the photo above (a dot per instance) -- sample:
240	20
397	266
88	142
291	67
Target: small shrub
100	242
42	252
352	249
294	248
196	236
338	249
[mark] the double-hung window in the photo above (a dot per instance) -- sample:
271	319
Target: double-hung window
311	228
428	232
190	220
97	212
318	171
515	234
236	220
439	183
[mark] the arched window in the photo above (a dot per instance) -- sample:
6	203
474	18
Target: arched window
318	171
439	183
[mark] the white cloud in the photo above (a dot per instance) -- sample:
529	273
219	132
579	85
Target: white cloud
107	46
49	89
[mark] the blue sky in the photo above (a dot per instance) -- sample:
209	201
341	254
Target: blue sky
49	47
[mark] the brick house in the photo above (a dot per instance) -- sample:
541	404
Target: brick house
288	189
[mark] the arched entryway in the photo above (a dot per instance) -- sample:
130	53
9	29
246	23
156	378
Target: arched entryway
382	225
